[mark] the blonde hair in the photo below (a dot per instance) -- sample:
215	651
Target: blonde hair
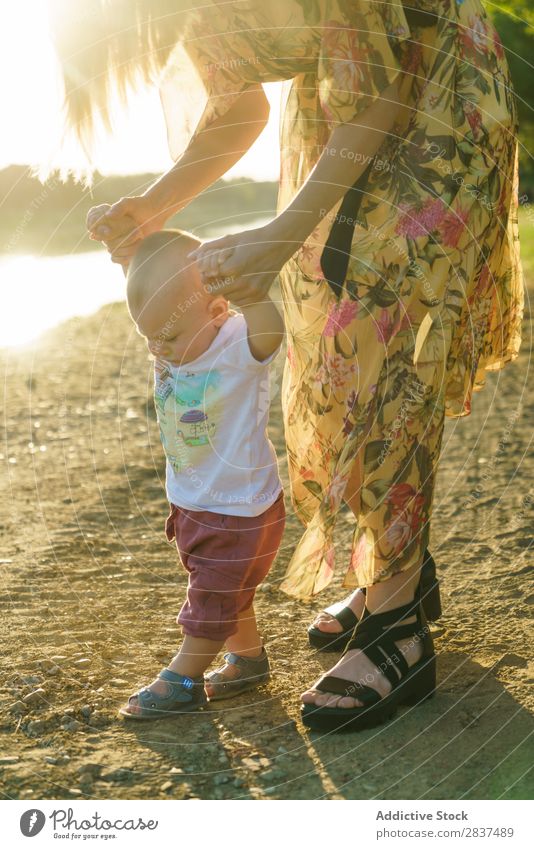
152	249
106	46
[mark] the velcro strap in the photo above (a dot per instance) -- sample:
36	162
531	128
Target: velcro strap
176	678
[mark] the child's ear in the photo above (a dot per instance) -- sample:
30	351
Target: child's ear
218	310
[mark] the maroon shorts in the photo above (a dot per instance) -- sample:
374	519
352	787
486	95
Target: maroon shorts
226	557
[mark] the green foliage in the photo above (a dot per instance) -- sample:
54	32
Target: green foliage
514	20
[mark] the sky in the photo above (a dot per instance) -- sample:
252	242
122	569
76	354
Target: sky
31	109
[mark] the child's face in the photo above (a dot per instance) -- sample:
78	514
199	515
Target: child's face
180	335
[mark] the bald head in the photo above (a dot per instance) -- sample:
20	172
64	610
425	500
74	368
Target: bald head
170	306
160	273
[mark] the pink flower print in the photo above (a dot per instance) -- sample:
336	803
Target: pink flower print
384	327
340	316
408	507
327	568
336	490
453	226
473	117
358	554
420	221
398	533
401	496
475	36
290	357
334	370
347	56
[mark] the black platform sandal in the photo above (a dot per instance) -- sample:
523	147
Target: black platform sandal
427	591
375	635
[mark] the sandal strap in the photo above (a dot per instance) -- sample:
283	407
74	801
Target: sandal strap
376	633
387	658
346	618
342	687
176	678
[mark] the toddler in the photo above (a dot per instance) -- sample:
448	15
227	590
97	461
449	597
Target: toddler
226	501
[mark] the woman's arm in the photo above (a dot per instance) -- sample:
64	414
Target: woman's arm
249	261
335	172
214	151
211	153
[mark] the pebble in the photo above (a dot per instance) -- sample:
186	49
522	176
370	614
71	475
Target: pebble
167	786
90	769
282	750
74	725
31	679
18	707
83	662
36	727
119	775
86	711
9	760
50	760
221	779
73	791
36	697
176	771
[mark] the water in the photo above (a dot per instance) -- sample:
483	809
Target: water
40	292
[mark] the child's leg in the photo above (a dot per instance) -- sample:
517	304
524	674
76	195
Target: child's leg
246	641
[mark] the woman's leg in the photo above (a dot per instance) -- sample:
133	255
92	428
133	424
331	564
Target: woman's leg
356	600
355	665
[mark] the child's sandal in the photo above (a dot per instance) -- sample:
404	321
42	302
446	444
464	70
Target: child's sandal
252	672
184	695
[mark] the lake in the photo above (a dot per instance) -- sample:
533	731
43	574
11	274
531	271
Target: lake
39	292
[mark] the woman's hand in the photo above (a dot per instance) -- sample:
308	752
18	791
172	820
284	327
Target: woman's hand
242	267
123	225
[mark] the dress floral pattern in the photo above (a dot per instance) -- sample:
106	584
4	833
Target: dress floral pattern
433	295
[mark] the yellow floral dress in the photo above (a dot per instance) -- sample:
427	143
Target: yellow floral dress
433	293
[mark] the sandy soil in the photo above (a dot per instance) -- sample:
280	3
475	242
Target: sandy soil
91	590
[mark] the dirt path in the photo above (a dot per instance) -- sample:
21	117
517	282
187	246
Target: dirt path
91	589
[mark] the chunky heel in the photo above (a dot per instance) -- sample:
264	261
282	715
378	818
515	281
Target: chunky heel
429	589
422	685
431	600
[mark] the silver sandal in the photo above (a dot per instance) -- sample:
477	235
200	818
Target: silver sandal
253	671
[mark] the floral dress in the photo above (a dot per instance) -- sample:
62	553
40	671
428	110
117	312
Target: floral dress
432	296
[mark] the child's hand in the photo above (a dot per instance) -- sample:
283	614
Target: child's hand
242	267
95	217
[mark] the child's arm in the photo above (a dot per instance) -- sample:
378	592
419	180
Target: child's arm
265	328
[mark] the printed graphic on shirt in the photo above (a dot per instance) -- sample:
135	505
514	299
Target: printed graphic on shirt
187	407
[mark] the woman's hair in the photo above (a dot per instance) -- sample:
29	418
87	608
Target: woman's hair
106	46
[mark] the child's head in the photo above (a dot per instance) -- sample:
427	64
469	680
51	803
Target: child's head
171	308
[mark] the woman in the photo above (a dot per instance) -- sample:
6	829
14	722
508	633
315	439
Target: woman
396	246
